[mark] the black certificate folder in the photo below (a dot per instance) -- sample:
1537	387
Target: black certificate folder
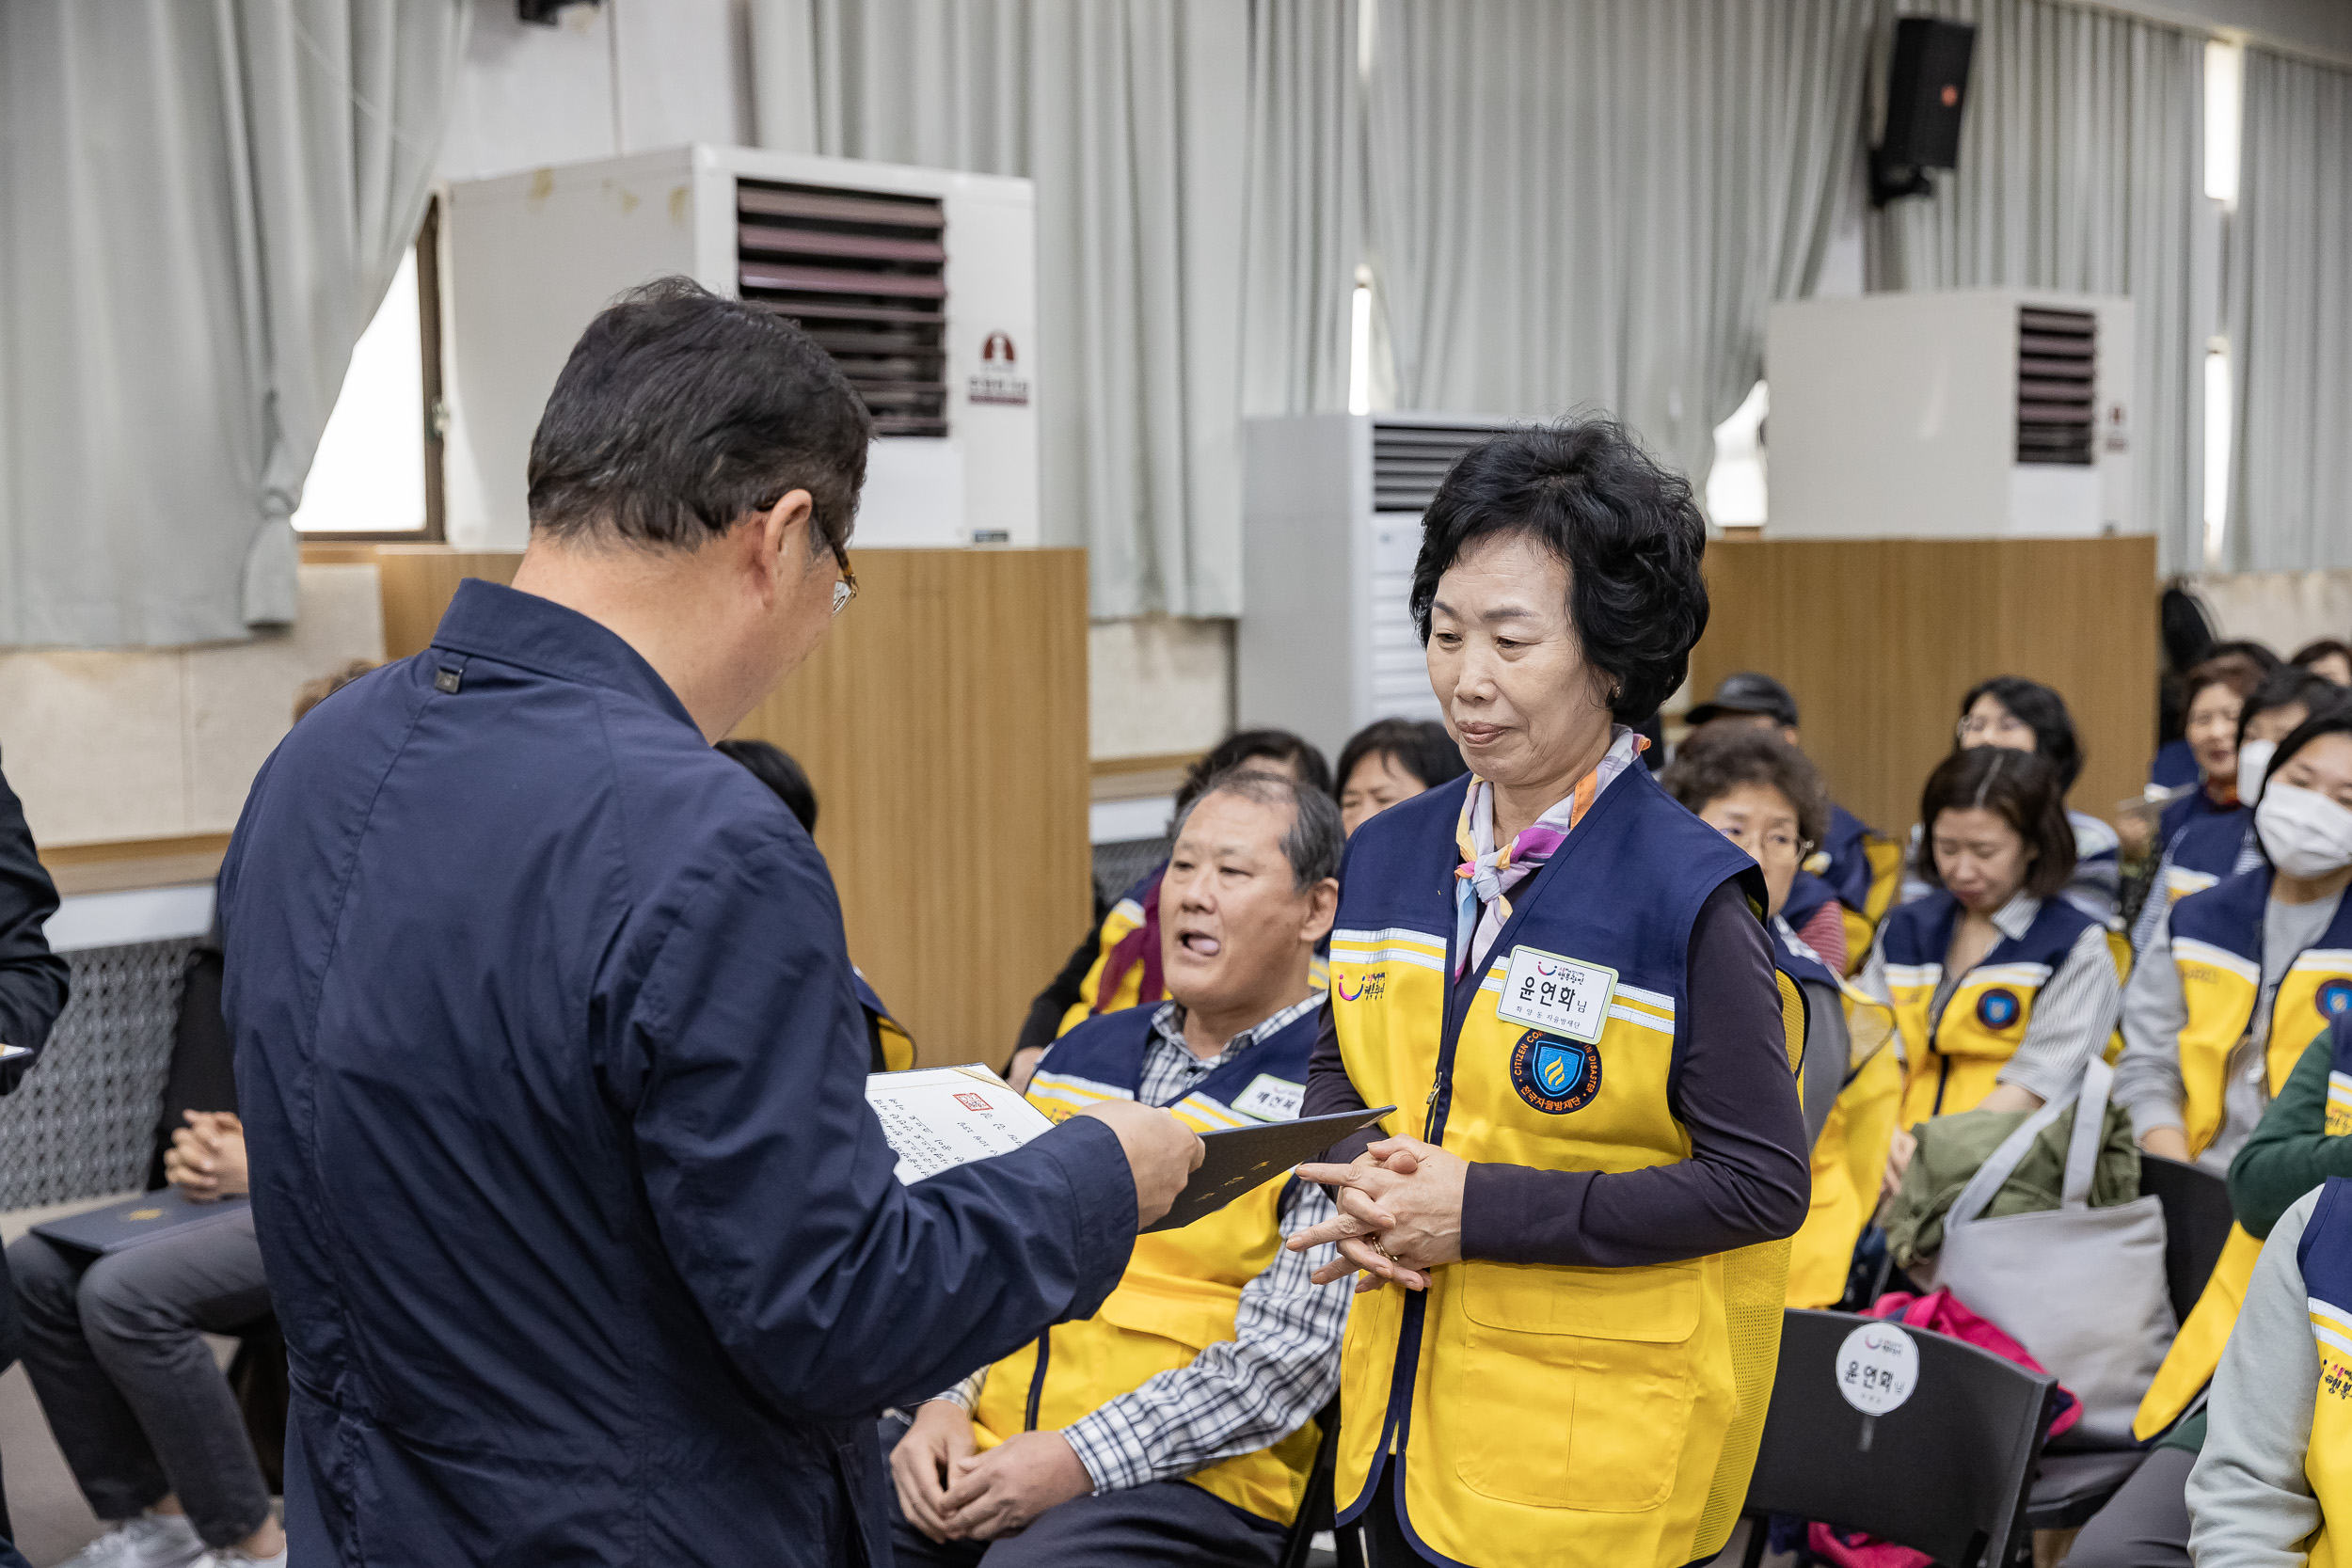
126	1224
1240	1159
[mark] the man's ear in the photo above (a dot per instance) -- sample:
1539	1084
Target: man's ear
783	529
1323	907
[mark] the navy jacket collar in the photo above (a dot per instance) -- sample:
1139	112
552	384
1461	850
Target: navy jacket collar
489	621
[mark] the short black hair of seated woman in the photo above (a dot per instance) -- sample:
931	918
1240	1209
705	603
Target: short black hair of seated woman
2318	648
1418	746
2284	687
2044	713
1718	758
2330	716
1628	530
1291	750
773	767
2019	788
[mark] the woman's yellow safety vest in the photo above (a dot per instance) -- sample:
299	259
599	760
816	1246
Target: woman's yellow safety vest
1952	1062
1528	1414
2324	1257
1850	1153
2217	944
1182	1290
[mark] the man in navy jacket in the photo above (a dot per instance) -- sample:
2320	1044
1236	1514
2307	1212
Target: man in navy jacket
585	1243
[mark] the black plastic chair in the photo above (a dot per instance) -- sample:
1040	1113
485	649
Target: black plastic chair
2076	1484
1944	1473
1315	1509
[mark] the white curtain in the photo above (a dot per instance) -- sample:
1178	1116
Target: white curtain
1591	204
2081	165
201	204
1195	230
2290	315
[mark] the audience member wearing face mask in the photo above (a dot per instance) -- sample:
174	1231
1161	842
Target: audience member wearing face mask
2212	844
1760	792
2020	715
2001	988
1391	760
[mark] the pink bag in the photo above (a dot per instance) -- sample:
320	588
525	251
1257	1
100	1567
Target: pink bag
1938	1312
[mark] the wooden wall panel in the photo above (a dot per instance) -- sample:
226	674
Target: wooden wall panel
944	725
1878	640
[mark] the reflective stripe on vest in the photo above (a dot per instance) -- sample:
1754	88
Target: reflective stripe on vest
2197	1349
1954	1065
1535	1414
1182	1290
2324	1257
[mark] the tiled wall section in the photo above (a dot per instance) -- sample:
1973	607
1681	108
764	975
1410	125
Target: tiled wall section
1158	686
157	743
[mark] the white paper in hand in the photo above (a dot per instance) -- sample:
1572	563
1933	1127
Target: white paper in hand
939	1117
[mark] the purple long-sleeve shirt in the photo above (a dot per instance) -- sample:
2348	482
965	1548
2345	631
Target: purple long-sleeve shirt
1748	1178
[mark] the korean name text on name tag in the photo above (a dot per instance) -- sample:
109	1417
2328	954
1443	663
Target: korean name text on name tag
1559	995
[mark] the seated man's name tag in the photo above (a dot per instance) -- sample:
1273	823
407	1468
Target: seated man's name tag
1559	995
1270	1098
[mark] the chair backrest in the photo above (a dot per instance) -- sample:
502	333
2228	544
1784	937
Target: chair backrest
1946	1472
2196	1221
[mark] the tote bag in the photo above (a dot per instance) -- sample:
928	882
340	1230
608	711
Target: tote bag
2083	1289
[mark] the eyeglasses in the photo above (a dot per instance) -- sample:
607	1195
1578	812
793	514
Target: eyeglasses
1778	844
845	589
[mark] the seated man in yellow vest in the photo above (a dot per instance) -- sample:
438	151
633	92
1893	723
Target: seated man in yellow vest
1176	1424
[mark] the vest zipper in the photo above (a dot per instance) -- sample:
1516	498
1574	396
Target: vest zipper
1943	1076
1037	1380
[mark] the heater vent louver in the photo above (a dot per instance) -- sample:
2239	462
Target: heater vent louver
2057	364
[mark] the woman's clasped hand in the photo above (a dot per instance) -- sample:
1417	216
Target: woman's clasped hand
1400	1214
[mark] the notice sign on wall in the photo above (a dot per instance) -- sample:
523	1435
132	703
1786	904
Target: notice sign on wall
999	380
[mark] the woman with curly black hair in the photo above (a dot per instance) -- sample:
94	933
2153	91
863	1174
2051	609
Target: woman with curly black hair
1560	976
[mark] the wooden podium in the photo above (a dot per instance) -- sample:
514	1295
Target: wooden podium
944	725
1879	639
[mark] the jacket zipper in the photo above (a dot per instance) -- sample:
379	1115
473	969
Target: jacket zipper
1037	1380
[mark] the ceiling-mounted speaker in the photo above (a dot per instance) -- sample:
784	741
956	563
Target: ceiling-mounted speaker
1927	87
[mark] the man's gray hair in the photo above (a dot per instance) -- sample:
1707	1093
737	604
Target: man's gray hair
1315	837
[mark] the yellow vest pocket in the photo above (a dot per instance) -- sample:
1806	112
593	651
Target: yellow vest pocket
1585	1383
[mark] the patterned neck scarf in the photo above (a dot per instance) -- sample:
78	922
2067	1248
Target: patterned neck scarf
1487	876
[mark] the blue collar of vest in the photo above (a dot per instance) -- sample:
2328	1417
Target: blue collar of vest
1110	1048
1920	933
2229	914
2210	843
2323	1254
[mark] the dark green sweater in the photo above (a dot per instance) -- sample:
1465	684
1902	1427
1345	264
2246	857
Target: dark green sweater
2287	1155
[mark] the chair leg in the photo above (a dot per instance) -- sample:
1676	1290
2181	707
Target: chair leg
1759	1532
1350	1540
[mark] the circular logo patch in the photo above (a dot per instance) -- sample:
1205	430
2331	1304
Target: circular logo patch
2335	997
1998	1009
1555	1076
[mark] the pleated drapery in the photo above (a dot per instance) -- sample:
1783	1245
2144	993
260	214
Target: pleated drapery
2290	320
2081	165
1592	205
1195	166
201	204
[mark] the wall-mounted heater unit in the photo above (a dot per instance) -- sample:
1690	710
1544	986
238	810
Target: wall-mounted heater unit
1982	414
1330	526
921	285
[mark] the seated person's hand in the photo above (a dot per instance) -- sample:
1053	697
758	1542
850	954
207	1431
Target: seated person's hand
206	1160
924	1463
2168	1142
1023	1067
1402	1194
1899	1154
998	1493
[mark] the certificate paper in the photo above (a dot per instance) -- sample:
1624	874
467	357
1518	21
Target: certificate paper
939	1117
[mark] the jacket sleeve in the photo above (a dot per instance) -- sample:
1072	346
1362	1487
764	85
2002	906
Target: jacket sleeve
839	1291
2290	1151
32	979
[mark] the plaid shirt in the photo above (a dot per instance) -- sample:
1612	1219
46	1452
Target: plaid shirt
1282	1363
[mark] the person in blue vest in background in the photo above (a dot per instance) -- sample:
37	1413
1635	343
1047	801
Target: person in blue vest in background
585	1242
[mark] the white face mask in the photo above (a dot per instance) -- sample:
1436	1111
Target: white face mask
2306	834
2253	766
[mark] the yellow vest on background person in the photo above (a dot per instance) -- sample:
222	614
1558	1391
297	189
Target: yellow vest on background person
1536	1414
1182	1290
892	1048
1950	1067
2217	944
1849	1151
2324	1257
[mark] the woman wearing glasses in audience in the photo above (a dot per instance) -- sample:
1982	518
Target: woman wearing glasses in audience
1761	793
2019	714
1559	978
2001	988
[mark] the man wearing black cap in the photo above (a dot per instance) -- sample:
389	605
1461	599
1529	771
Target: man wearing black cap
1844	867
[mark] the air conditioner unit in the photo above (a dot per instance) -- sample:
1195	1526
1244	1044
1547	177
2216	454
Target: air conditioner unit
1982	414
1332	508
920	282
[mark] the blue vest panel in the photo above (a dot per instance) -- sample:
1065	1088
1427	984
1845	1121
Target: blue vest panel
1108	1048
1920	933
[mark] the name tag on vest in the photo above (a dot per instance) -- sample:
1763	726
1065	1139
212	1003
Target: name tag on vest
1560	996
1270	1098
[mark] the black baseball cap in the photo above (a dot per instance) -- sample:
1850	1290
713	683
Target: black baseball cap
1748	692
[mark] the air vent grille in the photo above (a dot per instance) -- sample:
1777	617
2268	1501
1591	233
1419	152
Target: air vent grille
2057	364
867	274
1409	461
